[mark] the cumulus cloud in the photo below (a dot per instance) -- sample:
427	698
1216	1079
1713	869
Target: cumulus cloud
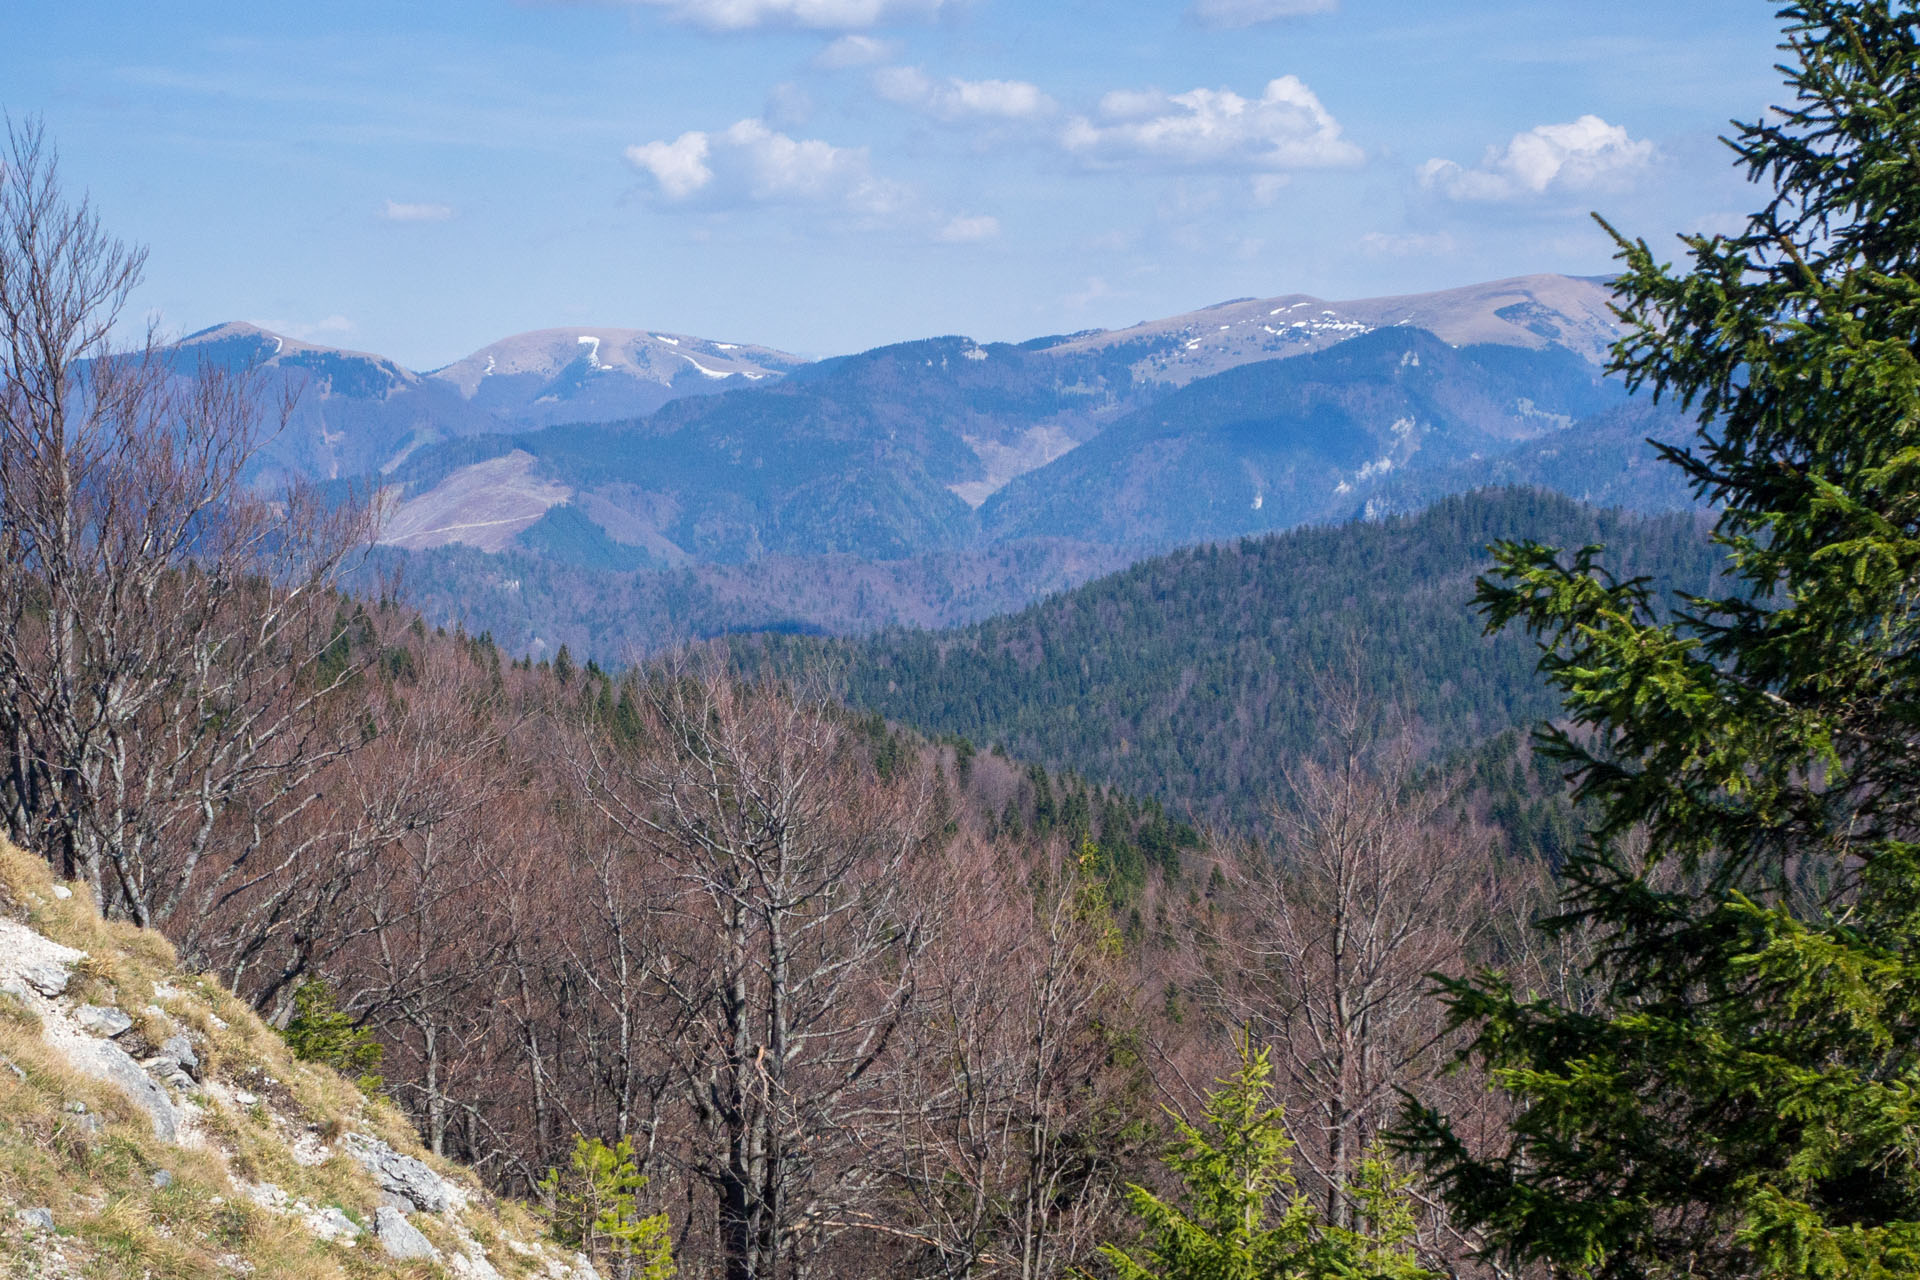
1583	155
853	51
968	229
1247	13
1286	127
823	15
954	100
680	166
751	163
396	211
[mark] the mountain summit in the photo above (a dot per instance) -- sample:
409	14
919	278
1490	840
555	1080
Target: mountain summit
589	374
1535	311
357	413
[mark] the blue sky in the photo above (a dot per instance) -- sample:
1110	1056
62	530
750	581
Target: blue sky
420	179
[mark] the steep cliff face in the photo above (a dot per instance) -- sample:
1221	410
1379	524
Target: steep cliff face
151	1125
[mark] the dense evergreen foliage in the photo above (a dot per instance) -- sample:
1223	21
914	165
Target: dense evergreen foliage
1236	1169
1737	1096
1194	677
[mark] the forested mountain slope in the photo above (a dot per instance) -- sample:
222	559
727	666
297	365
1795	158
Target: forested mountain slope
1192	677
1271	445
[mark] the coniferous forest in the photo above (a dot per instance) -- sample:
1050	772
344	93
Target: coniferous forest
1198	677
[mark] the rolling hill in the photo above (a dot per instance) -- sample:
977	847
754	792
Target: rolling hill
1191	677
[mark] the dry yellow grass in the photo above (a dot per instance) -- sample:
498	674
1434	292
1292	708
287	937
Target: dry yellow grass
77	1147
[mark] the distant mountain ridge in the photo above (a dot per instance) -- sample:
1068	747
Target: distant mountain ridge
588	455
1271	445
1534	311
357	413
587	374
878	455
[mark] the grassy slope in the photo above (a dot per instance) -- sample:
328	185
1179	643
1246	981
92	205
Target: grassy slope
99	1183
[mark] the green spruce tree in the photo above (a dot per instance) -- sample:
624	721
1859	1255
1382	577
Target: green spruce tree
1741	1094
593	1205
1241	1216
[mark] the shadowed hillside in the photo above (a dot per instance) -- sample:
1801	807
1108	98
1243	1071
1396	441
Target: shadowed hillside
1192	677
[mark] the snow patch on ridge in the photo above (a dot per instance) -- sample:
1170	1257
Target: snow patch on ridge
711	373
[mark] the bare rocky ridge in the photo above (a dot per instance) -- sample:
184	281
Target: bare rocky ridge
357	413
484	505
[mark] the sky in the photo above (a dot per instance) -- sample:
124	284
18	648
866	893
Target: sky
420	179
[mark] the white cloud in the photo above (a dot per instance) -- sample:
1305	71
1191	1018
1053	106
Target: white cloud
969	229
823	15
1247	13
853	51
1408	244
680	166
1583	155
1267	187
751	163
1285	128
954	100
396	211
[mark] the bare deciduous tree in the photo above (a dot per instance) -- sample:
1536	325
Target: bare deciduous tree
791	950
1008	1151
161	626
1371	885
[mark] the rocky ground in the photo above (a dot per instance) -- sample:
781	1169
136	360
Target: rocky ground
151	1125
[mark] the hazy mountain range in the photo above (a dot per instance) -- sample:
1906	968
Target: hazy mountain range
581	464
358	413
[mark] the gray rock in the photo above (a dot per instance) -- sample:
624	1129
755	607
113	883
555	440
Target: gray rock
331	1224
102	1021
400	1238
14	1067
48	977
111	1063
162	1179
180	1049
61	892
41	1219
472	1264
402	1176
